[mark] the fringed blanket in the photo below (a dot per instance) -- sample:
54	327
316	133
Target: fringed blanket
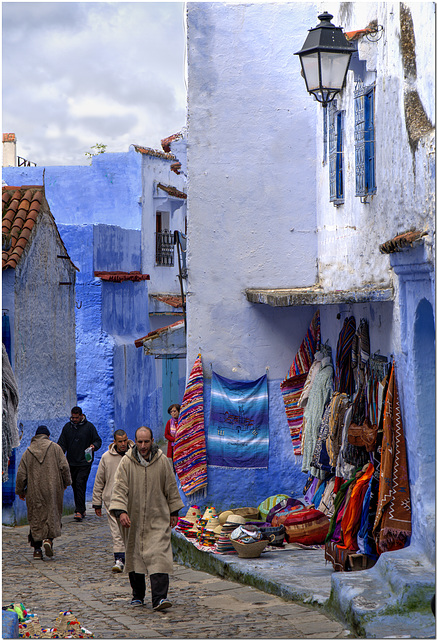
291	389
344	379
310	344
189	453
293	383
393	516
238	433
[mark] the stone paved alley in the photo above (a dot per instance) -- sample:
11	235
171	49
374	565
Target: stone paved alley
79	578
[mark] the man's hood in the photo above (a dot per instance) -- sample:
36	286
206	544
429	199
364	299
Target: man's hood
134	454
113	451
39	445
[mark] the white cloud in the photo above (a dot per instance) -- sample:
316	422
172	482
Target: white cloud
79	73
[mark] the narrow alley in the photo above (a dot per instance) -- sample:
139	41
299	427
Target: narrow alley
78	578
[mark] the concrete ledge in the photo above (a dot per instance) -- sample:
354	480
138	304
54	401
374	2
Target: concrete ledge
317	296
283	573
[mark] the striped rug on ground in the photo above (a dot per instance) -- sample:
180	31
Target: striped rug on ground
189	452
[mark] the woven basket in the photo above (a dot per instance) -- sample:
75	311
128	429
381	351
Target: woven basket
251	549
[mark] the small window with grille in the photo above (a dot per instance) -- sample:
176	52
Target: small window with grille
164	242
336	166
365	181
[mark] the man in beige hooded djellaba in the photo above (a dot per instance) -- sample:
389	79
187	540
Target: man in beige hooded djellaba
42	477
146	500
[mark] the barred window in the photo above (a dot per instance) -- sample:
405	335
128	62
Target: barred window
365	182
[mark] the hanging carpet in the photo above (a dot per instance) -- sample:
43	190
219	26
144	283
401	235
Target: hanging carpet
189	449
238	433
293	384
291	389
393	517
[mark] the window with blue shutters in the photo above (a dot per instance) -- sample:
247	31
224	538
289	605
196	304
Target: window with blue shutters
365	183
336	172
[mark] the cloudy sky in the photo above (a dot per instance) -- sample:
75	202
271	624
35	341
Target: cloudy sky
80	73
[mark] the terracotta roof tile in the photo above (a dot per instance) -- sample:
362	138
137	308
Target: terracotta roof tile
121	276
172	191
173	301
9	137
176	167
20	209
166	142
401	241
156	332
154	153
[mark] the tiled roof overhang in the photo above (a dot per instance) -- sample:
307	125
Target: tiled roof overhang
402	241
170	340
173	301
317	296
154	153
166	142
121	276
172	191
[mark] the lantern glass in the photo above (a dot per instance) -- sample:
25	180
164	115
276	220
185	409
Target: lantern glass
310	67
333	68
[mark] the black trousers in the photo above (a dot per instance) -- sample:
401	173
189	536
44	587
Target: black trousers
36	544
158	583
79	478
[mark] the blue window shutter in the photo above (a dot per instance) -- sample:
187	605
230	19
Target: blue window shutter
336	178
332	150
369	132
360	188
365	182
339	168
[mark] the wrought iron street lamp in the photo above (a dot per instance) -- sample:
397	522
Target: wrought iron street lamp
325	59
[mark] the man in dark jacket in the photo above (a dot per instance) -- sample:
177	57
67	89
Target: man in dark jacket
77	436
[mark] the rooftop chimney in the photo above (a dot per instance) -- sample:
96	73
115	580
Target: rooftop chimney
9	150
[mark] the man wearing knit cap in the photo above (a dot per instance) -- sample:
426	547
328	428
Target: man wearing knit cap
42	477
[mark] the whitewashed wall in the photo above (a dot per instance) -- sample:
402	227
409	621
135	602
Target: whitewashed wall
252	183
163	279
349	235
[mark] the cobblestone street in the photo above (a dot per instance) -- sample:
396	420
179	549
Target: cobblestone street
79	578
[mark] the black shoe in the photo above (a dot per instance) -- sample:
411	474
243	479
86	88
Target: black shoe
37	554
136	602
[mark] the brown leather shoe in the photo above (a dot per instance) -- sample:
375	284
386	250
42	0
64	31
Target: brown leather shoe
48	548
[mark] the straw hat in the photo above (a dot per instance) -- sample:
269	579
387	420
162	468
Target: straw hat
212	523
224	516
235	519
209	513
193	512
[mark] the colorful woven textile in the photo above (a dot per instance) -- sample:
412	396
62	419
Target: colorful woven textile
238	433
189	452
307	526
393	516
310	344
344	379
291	389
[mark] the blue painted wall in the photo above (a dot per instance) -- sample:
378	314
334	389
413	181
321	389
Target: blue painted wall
109	190
116	382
